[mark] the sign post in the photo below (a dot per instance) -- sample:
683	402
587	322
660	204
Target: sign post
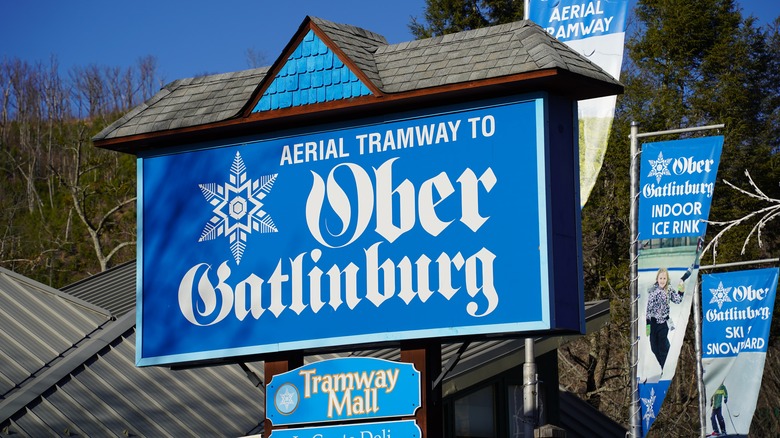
426	357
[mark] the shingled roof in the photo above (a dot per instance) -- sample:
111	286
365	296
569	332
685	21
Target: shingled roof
491	52
514	57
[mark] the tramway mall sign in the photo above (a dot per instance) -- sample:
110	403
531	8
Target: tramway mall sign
440	224
351	388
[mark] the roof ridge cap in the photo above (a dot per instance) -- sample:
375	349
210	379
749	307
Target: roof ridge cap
378	37
72	300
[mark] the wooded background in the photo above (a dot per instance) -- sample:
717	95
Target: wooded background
67	209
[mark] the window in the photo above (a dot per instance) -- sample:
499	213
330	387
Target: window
474	414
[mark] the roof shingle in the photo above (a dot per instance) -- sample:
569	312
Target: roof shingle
481	54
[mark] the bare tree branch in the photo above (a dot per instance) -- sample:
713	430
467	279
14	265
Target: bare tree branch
764	215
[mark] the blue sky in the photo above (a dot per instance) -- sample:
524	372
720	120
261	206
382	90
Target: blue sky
194	37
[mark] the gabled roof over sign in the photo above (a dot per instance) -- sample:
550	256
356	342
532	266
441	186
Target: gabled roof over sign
336	69
329	63
71	369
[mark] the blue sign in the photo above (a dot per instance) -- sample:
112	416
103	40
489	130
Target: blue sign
676	184
343	389
422	225
572	20
737	311
385	429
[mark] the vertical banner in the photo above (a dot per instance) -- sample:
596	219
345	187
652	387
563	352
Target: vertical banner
677	180
596	29
737	314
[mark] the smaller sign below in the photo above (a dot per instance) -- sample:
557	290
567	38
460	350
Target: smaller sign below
381	429
343	389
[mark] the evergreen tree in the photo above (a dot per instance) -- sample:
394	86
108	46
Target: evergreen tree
691	63
449	16
698	63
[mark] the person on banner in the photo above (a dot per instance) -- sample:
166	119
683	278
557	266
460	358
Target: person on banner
716	402
657	315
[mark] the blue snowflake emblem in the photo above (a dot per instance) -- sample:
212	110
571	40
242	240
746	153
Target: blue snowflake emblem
238	208
287	399
649	411
720	295
659	167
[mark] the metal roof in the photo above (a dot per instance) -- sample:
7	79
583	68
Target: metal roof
113	290
39	326
491	53
89	384
69	369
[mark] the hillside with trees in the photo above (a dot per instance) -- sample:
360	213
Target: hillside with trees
67	209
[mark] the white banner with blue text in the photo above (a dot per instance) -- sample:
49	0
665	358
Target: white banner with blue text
736	318
596	29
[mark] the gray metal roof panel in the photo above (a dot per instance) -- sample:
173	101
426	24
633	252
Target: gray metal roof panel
113	290
107	395
581	420
39	325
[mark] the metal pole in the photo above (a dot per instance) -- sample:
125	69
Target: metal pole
529	389
699	366
635	421
731	265
680	131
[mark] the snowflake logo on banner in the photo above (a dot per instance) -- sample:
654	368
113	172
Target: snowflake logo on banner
720	295
286	399
649	411
238	208
659	167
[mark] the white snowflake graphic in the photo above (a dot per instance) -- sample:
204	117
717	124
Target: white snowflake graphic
238	208
720	295
649	412
659	167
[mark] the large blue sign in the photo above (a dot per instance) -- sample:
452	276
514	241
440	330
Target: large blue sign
432	225
676	184
343	389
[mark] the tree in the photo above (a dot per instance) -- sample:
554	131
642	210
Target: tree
697	63
691	63
449	16
62	198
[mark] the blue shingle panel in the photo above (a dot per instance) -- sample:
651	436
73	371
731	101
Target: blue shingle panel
312	66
